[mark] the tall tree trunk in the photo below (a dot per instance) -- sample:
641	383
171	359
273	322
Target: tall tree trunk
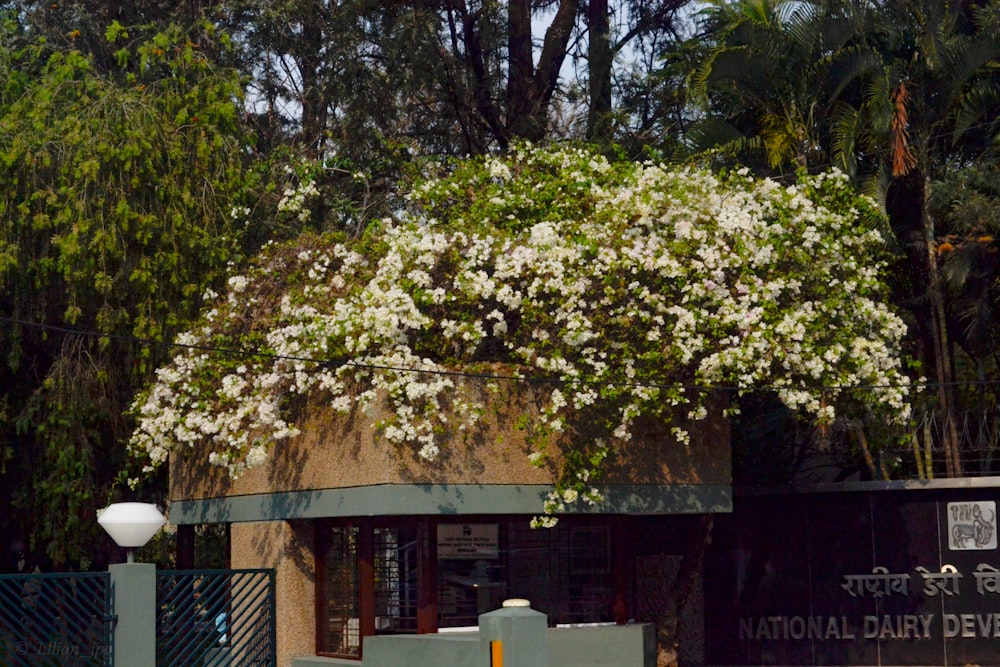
520	58
942	351
599	70
530	89
314	102
520	71
475	60
913	176
666	591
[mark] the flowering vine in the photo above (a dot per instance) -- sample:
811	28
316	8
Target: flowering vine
628	287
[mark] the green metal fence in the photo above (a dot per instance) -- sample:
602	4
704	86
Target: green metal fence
215	618
62	620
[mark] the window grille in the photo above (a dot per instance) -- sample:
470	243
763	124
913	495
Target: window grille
395	580
589	580
565	571
343	630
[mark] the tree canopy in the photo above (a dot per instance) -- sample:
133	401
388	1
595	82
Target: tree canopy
117	192
141	158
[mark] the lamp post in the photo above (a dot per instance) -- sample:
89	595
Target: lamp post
131	525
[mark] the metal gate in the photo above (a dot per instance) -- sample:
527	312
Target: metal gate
215	618
60	620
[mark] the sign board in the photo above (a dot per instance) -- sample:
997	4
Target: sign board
855	579
467	541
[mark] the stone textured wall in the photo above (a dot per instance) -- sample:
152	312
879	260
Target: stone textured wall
286	546
335	451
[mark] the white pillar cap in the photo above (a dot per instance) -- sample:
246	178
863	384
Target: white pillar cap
516	602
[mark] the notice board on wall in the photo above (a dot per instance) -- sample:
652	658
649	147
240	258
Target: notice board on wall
468	541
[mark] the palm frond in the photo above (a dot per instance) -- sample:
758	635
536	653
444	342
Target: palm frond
981	100
851	64
756	11
779	135
876	187
716	133
967	60
987	18
877	104
958	266
845	127
800	22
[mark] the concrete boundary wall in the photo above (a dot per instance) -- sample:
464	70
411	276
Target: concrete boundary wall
524	639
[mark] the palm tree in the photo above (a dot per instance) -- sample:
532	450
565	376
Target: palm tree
925	112
966	205
773	75
896	94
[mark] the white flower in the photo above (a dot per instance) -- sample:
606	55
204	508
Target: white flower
641	278
237	283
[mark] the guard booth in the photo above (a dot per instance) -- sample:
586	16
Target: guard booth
369	540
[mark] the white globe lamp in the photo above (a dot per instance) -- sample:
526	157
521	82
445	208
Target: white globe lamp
131	525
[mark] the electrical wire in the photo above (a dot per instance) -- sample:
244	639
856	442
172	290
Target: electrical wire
323	363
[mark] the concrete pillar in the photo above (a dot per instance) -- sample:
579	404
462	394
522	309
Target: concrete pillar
134	586
288	547
521	631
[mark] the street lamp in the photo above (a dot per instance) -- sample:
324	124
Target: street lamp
131	525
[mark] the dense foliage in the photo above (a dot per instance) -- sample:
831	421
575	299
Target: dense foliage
633	288
140	158
116	197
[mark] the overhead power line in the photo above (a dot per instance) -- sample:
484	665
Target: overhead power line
337	362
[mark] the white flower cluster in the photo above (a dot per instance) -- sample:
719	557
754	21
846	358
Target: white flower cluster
293	199
646	279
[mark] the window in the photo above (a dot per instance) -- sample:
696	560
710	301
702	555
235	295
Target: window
395	580
367	583
564	571
341	632
398	575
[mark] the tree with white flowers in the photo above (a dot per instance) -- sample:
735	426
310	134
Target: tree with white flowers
632	289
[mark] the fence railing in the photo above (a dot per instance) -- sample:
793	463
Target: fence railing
60	620
215	618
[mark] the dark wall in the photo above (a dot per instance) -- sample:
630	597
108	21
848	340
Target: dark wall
855	579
